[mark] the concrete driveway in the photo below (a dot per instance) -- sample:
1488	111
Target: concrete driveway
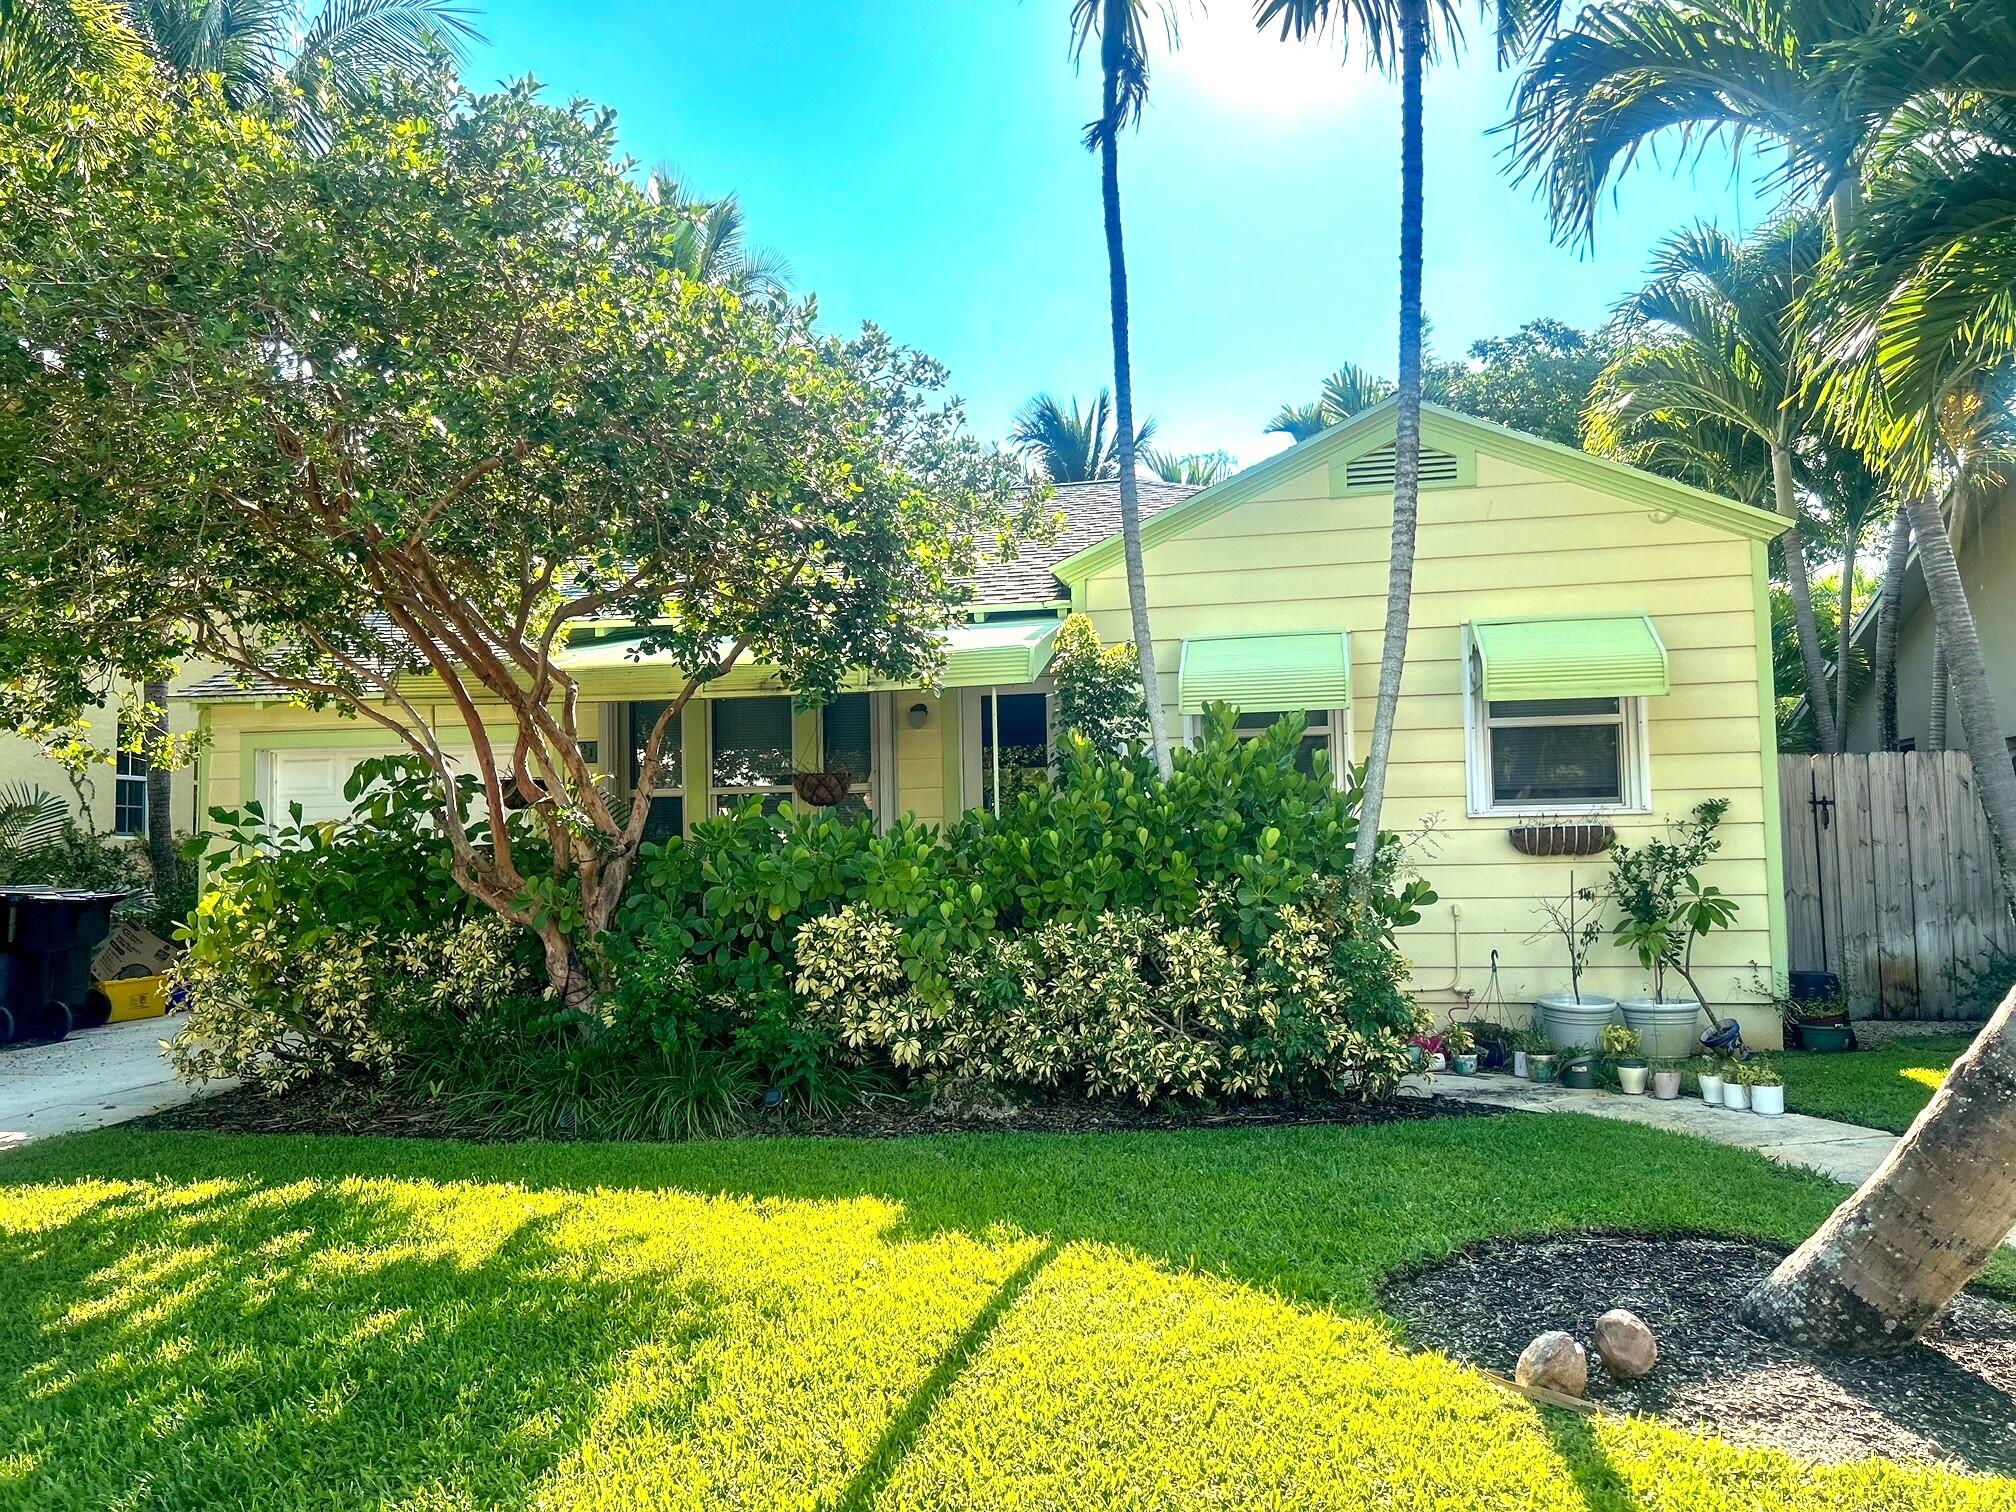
94	1078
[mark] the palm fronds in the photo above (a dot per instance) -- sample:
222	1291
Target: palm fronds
1196	469
30	819
1074	445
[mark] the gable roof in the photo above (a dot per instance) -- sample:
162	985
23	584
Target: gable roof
1091	513
1376	426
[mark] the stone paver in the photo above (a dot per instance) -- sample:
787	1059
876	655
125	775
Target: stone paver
94	1078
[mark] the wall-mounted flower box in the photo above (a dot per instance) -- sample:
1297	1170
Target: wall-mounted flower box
1562	838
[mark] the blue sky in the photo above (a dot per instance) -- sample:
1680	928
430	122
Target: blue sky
918	164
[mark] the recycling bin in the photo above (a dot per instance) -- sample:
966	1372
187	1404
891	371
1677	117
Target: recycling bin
48	936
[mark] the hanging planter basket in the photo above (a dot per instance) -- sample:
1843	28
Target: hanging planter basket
822	789
1562	839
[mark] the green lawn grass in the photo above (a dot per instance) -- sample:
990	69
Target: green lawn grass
1884	1088
1133	1321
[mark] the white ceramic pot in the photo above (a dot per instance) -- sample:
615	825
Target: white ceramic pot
1711	1087
1769	1101
1519	1064
1572	1025
1666	1085
1736	1095
1437	1061
1632	1079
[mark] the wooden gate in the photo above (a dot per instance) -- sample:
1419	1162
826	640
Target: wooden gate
1888	862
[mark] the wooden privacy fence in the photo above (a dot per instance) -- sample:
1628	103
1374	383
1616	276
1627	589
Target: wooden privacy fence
1887	861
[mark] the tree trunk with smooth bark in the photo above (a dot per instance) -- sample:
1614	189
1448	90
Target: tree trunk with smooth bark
1811	658
1891	1258
1114	30
1935	719
1406	448
1889	608
1844	639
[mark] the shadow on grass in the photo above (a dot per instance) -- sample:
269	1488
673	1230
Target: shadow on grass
1597	1479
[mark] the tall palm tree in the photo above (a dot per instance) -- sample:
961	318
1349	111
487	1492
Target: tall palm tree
714	245
1299	422
1074	445
1349	391
1405	35
1121	29
1195	469
1856	498
254	46
1714	337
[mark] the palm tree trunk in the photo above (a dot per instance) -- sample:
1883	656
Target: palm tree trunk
1966	679
1935	733
1887	1262
1889	607
160	794
1844	640
1810	658
1406	448
1115	29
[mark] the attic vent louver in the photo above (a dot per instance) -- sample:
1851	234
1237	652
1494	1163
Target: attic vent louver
1375	468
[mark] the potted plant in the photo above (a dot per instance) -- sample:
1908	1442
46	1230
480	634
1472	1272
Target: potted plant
1579	1071
1821	1025
1495	1044
1736	1086
1625	1052
1427	1052
1767	1089
1711	1083
1460	1045
1572	1018
1663	908
1666	1080
1542	1065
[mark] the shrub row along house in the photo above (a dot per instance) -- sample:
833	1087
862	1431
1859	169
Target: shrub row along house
1589	642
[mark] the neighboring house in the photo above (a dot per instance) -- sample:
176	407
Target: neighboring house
1987	555
1588	640
114	795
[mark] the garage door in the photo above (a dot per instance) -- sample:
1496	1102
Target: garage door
315	779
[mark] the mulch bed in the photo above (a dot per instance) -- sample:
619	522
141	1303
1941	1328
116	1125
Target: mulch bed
337	1108
1951	1400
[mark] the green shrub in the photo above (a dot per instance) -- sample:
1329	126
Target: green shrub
1098	688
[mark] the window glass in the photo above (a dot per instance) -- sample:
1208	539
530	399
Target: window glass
129	796
1543	764
850	741
753	751
1024	745
1315	735
671	751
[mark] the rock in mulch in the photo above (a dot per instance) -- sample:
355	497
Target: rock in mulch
1626	1345
1952	1399
1554	1362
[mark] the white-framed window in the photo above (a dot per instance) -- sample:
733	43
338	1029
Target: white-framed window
1554	755
848	738
129	789
1327	730
665	790
753	747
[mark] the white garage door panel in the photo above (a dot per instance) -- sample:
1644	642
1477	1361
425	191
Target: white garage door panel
315	779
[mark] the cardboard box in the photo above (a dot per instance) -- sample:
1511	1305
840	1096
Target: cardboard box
130	951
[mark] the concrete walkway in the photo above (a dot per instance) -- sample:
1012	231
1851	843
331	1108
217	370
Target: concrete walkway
1847	1152
94	1078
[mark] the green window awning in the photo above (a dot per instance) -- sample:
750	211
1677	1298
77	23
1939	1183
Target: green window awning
1297	669
1604	656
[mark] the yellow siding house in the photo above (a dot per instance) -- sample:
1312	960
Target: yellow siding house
1589	643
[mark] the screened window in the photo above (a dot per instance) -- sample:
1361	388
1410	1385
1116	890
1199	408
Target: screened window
129	794
1552	754
666	789
752	751
1322	735
847	735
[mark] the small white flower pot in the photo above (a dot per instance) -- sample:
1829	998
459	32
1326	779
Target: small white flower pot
1711	1087
1519	1064
1768	1101
1632	1079
1666	1085
1736	1095
1437	1061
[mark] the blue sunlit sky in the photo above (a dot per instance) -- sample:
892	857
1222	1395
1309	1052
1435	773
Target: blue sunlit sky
917	163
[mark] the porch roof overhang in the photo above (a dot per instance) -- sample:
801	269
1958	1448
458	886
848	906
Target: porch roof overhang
1600	656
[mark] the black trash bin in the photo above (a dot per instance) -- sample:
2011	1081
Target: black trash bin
48	936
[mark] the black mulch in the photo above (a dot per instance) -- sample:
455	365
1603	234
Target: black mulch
339	1108
1951	1399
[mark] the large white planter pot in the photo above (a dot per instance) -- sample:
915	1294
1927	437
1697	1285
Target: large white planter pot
1667	1027
1711	1088
1736	1095
1768	1101
1632	1079
1572	1025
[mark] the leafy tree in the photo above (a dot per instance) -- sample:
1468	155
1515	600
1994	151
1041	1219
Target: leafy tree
1120	27
375	425
1071	446
1098	689
1406	35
